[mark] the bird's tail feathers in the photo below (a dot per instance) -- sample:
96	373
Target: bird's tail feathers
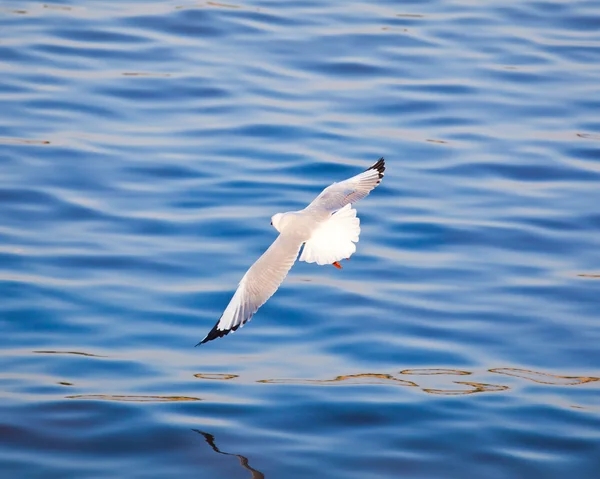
333	240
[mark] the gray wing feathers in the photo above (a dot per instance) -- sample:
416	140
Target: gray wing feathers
340	194
257	286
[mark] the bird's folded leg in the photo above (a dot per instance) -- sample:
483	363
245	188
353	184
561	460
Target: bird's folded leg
337	265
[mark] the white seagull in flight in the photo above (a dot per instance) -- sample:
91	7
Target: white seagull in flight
328	229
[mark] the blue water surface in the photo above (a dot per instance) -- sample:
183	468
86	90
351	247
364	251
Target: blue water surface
144	146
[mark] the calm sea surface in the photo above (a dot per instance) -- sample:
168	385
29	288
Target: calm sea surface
144	146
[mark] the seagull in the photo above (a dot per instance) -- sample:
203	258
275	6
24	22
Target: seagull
326	230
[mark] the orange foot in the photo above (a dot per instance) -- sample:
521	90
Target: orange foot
337	265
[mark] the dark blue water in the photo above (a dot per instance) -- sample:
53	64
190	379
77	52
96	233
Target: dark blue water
144	147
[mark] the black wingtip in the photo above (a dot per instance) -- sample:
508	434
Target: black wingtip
379	166
215	333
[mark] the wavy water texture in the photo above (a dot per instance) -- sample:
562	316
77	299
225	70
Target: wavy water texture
144	148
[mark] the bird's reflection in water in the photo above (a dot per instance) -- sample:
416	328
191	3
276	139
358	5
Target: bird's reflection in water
210	440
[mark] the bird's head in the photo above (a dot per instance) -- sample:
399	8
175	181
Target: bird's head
281	220
277	221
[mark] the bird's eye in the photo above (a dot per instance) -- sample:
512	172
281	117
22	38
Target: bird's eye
271	223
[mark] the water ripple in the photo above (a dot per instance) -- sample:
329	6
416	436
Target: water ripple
145	147
107	397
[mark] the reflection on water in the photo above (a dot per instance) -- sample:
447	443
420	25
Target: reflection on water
79	353
146	74
23	141
126	398
429	380
210	440
439	373
476	388
57	7
390	379
429	372
208	5
589	136
366	378
544	378
216	376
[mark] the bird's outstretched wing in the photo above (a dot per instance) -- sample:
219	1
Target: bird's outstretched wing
338	195
257	286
